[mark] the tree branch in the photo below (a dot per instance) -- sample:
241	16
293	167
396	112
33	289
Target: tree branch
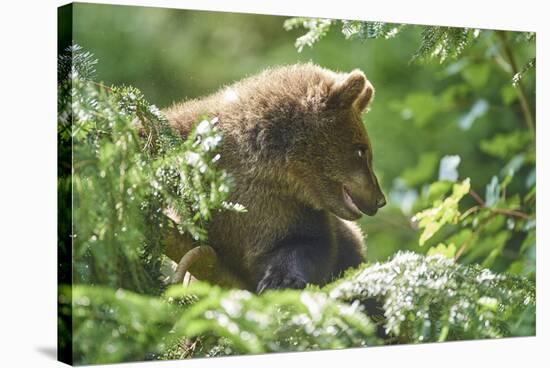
501	211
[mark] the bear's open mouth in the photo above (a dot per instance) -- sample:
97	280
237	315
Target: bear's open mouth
348	201
356	206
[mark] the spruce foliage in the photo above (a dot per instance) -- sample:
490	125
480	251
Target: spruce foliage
409	299
123	180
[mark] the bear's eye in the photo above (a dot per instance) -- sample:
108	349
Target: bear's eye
361	151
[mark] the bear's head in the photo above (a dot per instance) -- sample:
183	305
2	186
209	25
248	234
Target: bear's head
335	162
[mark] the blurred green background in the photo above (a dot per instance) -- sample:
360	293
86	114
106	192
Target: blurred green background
423	111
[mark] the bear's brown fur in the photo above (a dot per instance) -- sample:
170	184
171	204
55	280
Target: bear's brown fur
295	144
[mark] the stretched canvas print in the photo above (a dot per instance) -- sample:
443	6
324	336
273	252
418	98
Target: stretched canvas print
234	184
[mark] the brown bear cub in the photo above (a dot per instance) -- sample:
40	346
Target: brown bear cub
295	144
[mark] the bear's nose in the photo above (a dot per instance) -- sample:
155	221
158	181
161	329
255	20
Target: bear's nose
381	202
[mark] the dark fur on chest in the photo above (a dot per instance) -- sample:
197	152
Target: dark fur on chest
249	241
284	238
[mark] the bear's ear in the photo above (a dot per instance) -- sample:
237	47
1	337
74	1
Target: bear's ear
365	97
345	91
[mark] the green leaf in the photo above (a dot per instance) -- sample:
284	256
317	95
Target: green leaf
447	251
443	212
438	189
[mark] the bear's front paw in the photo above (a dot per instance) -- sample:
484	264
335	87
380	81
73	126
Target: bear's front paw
280	279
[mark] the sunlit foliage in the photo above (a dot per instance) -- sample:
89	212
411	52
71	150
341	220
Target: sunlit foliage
435	299
122	182
420	299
